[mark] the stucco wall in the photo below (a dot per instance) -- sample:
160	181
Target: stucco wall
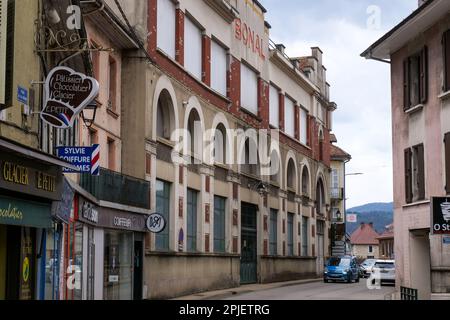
169	276
363	251
286	269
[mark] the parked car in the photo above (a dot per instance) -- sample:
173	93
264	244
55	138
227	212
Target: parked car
365	269
384	270
343	268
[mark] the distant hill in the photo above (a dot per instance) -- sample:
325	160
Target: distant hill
381	214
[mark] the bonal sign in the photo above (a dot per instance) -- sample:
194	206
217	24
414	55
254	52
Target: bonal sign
86	159
67	93
440	215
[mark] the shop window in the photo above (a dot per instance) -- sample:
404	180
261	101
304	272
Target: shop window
273	233
415	69
163	208
73	266
219	224
166	27
219	59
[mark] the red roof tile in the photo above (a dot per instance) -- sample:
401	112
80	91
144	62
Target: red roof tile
339	154
365	234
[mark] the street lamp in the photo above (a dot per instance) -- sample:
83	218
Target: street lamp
354	174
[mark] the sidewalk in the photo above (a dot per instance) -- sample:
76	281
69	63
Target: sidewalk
226	293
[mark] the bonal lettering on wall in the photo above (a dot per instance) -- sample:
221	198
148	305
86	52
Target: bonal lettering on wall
250	39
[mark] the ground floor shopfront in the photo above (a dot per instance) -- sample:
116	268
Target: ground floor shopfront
108	252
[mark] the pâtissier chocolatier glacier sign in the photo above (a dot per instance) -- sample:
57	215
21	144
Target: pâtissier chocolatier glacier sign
67	93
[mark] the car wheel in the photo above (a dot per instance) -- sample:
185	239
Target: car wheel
325	280
357	280
349	279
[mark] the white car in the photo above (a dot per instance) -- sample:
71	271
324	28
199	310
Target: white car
384	270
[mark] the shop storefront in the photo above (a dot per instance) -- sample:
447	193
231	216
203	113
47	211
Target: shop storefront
112	251
30	182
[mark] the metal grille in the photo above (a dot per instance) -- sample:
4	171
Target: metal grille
408	294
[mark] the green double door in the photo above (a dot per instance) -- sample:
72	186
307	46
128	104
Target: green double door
248	243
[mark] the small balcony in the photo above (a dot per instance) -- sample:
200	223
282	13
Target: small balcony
118	188
337	193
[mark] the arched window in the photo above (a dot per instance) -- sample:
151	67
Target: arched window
320	198
305	181
194	140
165	116
250	157
291	174
275	167
220	144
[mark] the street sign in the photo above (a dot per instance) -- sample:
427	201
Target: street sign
22	95
440	215
352	218
446	240
86	159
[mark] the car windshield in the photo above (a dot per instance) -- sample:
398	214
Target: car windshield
385	265
368	263
339	262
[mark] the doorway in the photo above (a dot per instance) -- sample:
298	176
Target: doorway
420	274
320	245
249	243
138	270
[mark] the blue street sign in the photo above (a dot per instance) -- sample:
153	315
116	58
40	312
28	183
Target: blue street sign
446	240
86	159
22	95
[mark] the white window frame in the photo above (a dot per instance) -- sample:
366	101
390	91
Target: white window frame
274	106
166	23
219	68
193	55
289	116
249	92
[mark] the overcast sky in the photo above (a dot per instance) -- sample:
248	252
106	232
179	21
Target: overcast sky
343	29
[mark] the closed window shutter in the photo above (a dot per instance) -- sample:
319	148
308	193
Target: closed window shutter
447	161
7	49
446	45
166	27
408	176
406	82
421	172
3	30
424	75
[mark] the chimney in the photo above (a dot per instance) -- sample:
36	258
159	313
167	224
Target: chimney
317	53
371	225
280	47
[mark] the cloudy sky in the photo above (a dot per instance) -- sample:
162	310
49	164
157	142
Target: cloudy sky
343	29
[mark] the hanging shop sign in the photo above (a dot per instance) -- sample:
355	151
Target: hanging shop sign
67	93
440	215
30	177
61	209
85	159
88	212
156	223
352	218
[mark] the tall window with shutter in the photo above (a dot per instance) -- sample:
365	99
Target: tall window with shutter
219	58
447	162
303	126
249	89
7	20
415	78
289	118
446	46
193	48
415	174
166	27
274	107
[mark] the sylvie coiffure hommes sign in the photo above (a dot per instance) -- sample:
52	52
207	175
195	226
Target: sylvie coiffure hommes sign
67	93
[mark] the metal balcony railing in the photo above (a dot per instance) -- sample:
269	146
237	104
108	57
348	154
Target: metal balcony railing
117	188
337	193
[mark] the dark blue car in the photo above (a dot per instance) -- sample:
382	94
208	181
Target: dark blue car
343	268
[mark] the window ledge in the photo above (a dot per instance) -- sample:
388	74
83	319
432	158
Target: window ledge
165	142
415	204
245	110
414	109
113	113
444	95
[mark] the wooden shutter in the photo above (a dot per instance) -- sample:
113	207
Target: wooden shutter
408	176
3	30
421	171
424	75
446	46
447	161
406	82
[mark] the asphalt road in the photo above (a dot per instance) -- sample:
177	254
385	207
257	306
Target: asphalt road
320	291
